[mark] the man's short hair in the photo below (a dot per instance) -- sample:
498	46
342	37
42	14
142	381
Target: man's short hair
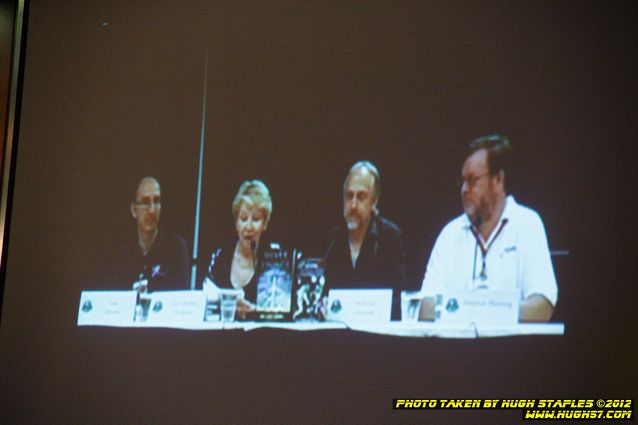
256	193
142	180
376	192
499	152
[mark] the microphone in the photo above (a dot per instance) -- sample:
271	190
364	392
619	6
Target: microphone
477	221
253	249
474	263
474	227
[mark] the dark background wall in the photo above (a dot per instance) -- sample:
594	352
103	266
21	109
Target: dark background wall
296	93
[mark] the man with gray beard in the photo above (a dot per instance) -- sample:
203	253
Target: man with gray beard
366	251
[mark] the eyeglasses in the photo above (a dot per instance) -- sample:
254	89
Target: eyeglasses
146	203
471	180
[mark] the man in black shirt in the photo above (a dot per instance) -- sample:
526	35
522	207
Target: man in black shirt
366	251
159	258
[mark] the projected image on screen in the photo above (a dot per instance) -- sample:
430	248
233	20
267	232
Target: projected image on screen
245	212
152	259
489	271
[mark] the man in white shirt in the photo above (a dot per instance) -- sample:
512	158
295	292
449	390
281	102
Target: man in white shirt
496	244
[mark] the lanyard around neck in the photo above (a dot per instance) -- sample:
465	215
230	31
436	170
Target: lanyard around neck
484	247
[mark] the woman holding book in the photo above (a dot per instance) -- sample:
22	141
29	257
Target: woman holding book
234	265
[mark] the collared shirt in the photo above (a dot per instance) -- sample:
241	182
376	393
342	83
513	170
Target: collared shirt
518	256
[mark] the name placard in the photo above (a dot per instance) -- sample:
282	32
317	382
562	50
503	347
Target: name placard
481	307
175	308
360	305
106	308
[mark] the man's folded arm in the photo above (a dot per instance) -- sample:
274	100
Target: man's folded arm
535	308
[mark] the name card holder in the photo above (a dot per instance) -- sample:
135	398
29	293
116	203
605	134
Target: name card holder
360	305
177	308
106	308
479	307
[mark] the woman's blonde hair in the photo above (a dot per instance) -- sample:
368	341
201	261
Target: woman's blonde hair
253	192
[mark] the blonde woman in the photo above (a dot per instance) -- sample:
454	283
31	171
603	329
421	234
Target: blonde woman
234	265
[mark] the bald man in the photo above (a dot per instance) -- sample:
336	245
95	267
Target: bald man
366	250
160	258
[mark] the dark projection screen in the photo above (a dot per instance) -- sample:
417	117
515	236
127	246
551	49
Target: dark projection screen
296	92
